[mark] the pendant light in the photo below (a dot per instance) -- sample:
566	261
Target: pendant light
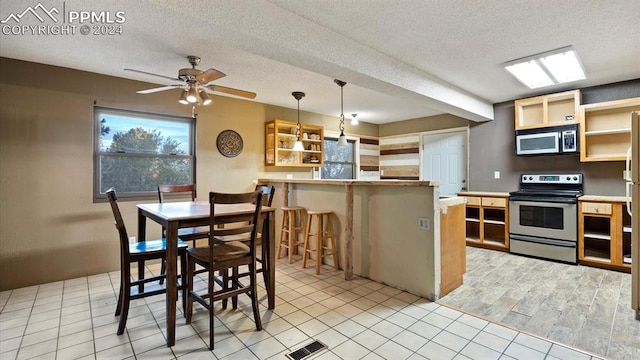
342	140
354	119
298	145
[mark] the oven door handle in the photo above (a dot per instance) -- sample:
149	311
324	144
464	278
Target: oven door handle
536	240
547	199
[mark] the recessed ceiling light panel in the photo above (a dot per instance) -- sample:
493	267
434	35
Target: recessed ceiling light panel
550	68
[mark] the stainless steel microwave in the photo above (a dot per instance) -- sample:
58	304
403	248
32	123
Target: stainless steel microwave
562	139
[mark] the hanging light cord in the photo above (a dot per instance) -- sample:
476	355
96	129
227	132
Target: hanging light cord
298	125
341	109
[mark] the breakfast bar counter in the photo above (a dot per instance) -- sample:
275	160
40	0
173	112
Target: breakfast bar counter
387	230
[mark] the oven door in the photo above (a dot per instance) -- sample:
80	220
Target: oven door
554	219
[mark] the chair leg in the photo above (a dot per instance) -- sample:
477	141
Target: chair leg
254	298
281	237
163	270
121	292
234	282
184	281
124	304
319	242
141	275
211	282
191	265
305	253
225	281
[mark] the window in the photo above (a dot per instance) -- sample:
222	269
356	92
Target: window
134	152
339	161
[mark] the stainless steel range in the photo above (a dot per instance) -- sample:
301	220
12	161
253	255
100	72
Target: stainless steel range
543	216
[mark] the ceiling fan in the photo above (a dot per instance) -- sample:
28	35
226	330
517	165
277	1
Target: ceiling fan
195	84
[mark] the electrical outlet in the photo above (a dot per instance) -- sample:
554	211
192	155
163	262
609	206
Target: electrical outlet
132	239
424	223
496	174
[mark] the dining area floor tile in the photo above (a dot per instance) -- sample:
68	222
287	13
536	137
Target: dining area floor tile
356	319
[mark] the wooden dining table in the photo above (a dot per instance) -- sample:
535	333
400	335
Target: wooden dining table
175	215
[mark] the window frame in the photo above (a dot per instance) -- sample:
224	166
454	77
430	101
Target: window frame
99	197
355	141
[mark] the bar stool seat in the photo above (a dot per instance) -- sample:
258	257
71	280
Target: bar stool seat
321	234
290	231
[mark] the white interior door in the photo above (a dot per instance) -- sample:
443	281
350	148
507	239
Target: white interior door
444	158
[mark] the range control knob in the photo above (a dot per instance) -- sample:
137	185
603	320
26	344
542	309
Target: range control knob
530	178
575	178
568	178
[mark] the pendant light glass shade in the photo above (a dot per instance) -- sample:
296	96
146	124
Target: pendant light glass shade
298	146
342	140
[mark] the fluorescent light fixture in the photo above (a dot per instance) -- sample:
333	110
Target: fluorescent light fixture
546	69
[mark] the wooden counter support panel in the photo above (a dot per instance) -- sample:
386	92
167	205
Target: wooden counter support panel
453	258
348	233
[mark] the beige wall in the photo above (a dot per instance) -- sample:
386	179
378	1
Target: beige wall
50	229
431	123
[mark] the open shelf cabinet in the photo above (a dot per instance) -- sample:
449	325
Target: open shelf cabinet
281	135
548	110
605	133
604	235
486	222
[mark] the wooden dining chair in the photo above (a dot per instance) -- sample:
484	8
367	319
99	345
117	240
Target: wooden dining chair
227	256
189	235
137	252
267	198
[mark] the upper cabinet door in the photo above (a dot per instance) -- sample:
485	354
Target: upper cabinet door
548	110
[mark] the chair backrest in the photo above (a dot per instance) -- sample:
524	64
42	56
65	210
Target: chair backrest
243	226
122	230
176	189
267	193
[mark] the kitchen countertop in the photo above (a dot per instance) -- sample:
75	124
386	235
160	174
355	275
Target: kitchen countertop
483	193
603	198
353	182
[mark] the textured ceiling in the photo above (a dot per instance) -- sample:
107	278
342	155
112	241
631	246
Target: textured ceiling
401	59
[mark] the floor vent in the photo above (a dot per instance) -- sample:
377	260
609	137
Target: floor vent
307	350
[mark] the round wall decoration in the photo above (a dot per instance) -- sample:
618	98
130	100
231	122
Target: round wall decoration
229	143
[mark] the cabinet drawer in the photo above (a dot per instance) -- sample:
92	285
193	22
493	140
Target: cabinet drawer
596	208
495	202
473	200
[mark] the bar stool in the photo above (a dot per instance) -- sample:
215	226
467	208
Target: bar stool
321	250
289	229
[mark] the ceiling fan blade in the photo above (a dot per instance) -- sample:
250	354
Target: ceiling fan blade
210	75
232	91
158	89
152	74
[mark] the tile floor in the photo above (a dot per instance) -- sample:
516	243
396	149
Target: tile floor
359	319
580	306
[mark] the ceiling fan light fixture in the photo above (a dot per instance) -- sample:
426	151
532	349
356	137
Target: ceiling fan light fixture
183	97
204	98
192	95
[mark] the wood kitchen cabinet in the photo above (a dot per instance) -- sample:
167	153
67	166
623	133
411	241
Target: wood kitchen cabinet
280	136
605	133
604	233
548	110
487	220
